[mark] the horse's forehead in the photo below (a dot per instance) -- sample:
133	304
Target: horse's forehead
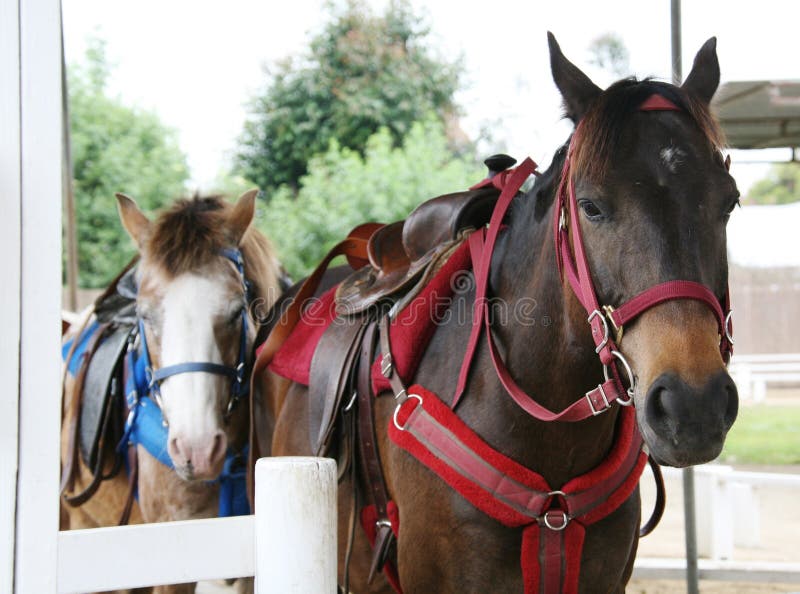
203	294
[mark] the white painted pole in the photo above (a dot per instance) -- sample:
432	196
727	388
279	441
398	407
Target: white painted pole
295	525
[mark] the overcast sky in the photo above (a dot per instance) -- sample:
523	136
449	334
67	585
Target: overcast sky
197	62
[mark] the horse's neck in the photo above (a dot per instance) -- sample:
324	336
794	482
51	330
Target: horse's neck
549	353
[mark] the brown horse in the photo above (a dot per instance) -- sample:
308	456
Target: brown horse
193	306
650	199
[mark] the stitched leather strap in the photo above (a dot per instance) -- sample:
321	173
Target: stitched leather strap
370	457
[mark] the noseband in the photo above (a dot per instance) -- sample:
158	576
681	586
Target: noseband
576	267
237	374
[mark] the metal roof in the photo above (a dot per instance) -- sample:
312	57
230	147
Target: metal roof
760	113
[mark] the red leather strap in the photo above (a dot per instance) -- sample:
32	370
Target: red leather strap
510	182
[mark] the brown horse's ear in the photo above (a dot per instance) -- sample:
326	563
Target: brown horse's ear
242	215
135	222
576	88
703	80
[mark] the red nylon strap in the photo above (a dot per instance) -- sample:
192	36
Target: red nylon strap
511	183
667	292
571	259
517	496
592	403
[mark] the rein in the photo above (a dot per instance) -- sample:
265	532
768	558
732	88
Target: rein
237	374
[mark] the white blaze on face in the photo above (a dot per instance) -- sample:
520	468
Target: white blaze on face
672	156
193	401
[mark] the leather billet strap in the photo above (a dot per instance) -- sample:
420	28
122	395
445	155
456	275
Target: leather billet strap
370	457
553	521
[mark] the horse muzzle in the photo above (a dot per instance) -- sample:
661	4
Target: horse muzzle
684	424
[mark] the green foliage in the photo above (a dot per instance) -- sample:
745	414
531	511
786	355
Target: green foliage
362	73
115	148
780	186
764	434
344	189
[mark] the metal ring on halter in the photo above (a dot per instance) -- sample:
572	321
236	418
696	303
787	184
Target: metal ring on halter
396	410
565	520
728	333
631	379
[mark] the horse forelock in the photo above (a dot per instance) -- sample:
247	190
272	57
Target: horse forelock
600	131
188	235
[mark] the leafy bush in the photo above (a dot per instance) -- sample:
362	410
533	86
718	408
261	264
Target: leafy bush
344	189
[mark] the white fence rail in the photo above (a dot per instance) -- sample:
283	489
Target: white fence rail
754	373
728	510
292	537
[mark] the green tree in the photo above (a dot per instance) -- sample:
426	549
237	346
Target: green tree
344	189
362	73
780	186
115	148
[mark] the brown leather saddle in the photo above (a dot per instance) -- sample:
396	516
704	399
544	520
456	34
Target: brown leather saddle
400	254
95	414
402	258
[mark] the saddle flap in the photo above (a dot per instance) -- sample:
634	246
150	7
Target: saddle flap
330	378
97	389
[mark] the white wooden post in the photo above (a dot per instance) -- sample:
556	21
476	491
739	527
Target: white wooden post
295	526
30	236
747	528
10	193
715	512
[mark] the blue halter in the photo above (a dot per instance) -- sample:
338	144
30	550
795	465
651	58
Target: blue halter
145	424
239	387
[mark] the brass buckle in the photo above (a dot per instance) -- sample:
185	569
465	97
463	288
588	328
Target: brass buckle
618	329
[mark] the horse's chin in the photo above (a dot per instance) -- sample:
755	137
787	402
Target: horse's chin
685	450
186	472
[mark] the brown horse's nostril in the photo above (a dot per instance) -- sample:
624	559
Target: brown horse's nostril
687	423
723	383
664	406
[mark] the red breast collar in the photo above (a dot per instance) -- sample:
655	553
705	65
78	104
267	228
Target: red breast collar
553	522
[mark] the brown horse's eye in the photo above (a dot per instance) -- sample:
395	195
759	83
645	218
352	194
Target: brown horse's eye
733	204
590	209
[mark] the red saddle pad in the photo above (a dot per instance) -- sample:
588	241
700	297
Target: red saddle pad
409	333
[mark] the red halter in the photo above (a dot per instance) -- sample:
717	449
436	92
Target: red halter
577	270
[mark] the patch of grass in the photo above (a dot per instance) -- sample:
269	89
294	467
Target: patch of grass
764	435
